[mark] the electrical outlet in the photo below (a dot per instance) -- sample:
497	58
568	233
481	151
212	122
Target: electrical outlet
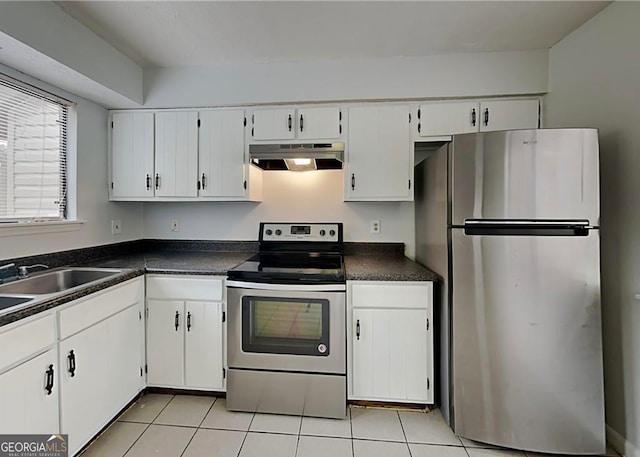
374	226
175	225
116	226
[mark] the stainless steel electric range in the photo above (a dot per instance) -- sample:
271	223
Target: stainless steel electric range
286	343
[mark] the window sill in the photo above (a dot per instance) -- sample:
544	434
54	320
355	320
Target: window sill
36	228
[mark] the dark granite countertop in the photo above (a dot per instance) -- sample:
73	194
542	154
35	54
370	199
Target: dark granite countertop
178	262
363	262
372	267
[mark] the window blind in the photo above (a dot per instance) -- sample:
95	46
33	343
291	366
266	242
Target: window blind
33	154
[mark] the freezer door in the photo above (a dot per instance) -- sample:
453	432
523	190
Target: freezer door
525	174
527	346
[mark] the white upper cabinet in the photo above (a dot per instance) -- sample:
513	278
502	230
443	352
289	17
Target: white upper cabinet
379	164
449	118
303	124
438	119
132	154
176	154
273	124
221	154
181	155
509	114
319	123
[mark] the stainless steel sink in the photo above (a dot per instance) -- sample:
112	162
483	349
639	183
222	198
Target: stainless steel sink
59	280
10	301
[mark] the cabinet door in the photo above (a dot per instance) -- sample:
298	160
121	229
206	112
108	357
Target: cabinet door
274	124
379	162
124	357
25	405
203	345
436	119
84	384
508	115
390	355
176	154
221	153
165	342
319	123
132	151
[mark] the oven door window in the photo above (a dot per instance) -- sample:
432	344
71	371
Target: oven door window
285	325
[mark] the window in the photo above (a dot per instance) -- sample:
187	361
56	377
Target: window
33	154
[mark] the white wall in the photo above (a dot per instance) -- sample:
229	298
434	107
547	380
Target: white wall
43	35
454	75
288	197
594	81
92	197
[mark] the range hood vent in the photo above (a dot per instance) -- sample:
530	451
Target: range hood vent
297	157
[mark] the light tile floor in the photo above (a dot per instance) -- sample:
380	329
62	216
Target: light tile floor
195	426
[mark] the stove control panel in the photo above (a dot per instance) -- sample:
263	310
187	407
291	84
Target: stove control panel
277	231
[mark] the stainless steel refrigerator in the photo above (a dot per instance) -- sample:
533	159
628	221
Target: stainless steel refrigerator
510	220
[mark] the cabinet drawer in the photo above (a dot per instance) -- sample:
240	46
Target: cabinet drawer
96	307
24	340
185	287
404	295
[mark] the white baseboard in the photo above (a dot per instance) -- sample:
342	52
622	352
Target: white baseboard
620	444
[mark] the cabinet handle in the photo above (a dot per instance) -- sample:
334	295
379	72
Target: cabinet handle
157	181
189	321
358	329
473	117
177	320
419	127
486	117
290	123
148	182
49	383
72	363
301	123
203	181
353	181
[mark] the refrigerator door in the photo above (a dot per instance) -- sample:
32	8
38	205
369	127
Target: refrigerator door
525	174
527	348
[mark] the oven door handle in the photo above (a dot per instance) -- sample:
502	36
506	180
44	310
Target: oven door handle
291	287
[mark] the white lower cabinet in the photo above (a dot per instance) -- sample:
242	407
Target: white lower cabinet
26	405
29	376
100	355
390	341
185	332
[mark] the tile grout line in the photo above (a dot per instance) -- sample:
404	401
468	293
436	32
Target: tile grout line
198	426
404	433
246	434
148	425
298	440
353	450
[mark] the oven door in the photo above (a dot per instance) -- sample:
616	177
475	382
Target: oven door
286	330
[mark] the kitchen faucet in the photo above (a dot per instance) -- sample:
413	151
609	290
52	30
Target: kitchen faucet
23	271
4	268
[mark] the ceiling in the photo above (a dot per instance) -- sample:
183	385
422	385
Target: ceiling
204	33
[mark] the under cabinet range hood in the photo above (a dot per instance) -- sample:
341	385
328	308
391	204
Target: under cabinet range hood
298	156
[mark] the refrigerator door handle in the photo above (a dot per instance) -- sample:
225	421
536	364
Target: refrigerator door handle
523	227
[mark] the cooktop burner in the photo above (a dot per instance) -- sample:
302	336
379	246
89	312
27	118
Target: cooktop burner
301	253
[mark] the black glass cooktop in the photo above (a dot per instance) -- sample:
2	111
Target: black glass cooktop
300	267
